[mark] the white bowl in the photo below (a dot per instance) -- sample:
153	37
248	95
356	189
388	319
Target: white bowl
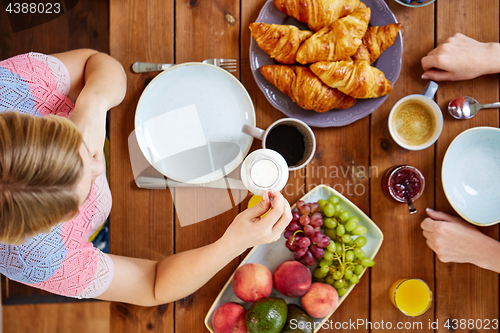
471	175
273	254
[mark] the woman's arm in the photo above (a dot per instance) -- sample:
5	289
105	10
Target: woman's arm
461	58
98	83
455	240
148	283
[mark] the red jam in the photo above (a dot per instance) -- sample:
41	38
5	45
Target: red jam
399	177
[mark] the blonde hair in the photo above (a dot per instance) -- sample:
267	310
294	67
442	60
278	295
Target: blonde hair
40	165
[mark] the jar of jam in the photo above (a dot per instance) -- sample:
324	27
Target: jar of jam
397	178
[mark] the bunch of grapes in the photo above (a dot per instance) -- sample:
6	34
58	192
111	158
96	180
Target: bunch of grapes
344	259
303	234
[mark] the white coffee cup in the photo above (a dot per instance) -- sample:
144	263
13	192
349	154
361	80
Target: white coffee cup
426	99
303	128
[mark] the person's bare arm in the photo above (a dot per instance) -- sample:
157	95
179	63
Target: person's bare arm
98	83
461	58
455	240
148	283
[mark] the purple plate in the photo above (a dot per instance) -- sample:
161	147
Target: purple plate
389	62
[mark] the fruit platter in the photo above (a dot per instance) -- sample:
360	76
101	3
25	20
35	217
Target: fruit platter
323	253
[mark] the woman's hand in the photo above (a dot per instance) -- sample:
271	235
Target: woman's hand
249	229
455	240
461	58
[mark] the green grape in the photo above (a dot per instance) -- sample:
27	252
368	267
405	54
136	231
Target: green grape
351	242
329	210
339	247
324	269
329	280
359	230
360	241
337	275
338	210
346	238
319	274
358	270
349	255
325	262
345	215
328	255
360	254
354	219
340	230
348	274
331	233
338	284
351	224
331	247
367	262
354	279
334	200
342	291
330	223
322	203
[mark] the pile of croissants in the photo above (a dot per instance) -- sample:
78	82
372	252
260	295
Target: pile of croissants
337	55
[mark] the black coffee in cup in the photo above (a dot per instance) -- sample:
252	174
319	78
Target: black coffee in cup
288	141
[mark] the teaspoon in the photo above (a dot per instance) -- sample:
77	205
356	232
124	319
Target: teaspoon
465	107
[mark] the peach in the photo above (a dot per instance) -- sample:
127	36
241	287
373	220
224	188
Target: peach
229	318
320	300
252	282
292	278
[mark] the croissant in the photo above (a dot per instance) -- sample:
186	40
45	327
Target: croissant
376	41
356	79
305	89
317	13
281	42
336	42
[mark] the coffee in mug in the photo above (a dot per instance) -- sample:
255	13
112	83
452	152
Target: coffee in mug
416	121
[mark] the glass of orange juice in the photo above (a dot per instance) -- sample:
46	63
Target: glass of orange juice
413	297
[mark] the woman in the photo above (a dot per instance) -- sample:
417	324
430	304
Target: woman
454	240
54	194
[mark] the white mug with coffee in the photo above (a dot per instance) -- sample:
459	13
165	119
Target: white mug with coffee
290	137
416	121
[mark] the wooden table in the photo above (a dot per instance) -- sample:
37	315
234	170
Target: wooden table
144	223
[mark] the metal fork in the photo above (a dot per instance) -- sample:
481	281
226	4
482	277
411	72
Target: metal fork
228	64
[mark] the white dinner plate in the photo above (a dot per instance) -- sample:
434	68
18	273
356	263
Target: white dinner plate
189	123
471	175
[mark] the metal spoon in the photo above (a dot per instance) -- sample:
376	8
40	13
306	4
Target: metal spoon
411	206
465	107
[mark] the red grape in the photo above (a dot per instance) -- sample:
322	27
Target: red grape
295	216
316	215
294	241
314	207
317	229
304	242
324	241
308	258
304	220
317	251
309	230
294	226
288	233
299	253
316	237
291	247
316	222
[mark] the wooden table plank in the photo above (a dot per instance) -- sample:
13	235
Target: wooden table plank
204	29
404	253
141	220
465	291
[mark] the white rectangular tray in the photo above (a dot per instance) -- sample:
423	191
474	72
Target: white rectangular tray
273	254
